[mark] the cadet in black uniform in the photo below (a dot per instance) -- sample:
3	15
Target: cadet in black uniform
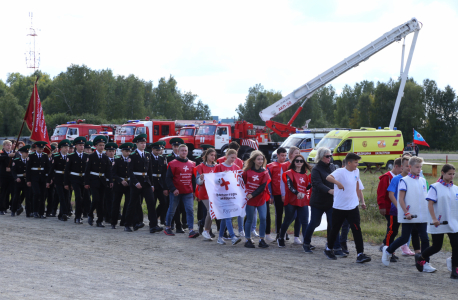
98	170
74	171
121	185
52	200
159	169
70	190
21	190
88	149
6	179
37	168
110	151
183	224
56	177
140	175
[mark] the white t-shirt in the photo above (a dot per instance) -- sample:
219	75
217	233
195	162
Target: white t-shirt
346	199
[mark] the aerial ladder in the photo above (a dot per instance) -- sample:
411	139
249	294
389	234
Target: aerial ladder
307	90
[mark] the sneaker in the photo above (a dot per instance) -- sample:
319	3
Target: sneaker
211	234
448	261
312	247
393	259
179	230
344	248
263	244
297	241
206	236
193	234
242	233
281	243
385	256
226	236
406	251
427	268
201	226
235	240
419	262
249	244
254	233
287	237
307	249
329	254
169	232
381	247
269	238
221	241
362	258
339	253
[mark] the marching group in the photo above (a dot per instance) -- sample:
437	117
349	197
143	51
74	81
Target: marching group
99	180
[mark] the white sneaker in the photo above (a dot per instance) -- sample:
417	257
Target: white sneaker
427	268
221	241
242	233
207	236
254	233
269	238
235	240
297	241
448	261
385	256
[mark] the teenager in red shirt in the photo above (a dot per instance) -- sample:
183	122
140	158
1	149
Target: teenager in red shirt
293	152
238	161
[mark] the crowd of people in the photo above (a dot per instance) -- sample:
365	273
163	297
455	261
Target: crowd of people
98	180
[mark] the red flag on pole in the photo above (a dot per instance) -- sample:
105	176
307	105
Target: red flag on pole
35	118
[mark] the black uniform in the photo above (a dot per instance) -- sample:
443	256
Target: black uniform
180	209
98	170
119	175
37	168
159	169
52	201
21	190
109	194
6	182
141	166
57	174
74	172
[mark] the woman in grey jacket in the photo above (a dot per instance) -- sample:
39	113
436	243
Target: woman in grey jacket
321	199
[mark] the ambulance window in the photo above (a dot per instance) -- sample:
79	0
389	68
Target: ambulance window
317	141
72	131
156	130
346	146
306	144
165	129
92	131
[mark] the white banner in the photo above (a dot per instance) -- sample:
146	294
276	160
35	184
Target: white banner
226	192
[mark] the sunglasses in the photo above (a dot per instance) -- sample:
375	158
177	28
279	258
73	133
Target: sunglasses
328	156
299	161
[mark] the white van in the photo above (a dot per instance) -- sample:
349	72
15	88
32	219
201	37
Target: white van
305	140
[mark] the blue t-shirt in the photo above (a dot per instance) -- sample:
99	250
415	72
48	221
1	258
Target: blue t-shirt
393	187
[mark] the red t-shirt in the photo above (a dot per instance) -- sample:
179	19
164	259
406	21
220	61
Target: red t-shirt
238	161
275	169
252	181
201	191
182	175
300	183
383	200
222	168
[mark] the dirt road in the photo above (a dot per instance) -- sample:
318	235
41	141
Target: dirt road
50	259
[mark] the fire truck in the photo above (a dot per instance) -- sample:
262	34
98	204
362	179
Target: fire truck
74	129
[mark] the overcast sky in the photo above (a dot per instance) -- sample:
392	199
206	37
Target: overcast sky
219	49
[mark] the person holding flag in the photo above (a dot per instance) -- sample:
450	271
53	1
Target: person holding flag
418	140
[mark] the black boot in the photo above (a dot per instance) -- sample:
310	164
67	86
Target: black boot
454	274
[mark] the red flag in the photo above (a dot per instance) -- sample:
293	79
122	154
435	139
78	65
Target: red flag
35	118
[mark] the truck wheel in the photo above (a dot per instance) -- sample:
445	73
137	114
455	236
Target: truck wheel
338	164
389	165
247	154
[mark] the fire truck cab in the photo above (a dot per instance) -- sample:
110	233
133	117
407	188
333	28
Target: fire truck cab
154	129
74	129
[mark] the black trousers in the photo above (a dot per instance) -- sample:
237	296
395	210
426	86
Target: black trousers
39	193
50	199
353	218
108	203
392	229
21	192
279	208
438	240
161	210
135	203
120	191
62	196
6	191
98	197
78	189
86	201
69	206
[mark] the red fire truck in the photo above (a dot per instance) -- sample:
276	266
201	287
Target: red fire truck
77	128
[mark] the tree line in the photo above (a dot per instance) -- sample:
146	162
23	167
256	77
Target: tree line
98	96
430	110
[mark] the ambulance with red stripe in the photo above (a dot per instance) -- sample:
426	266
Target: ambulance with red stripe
373	145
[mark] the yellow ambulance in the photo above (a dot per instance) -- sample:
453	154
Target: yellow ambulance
373	145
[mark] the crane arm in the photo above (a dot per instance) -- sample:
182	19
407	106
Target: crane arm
307	90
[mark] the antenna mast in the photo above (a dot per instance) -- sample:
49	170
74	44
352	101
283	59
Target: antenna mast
32	56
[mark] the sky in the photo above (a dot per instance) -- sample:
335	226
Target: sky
219	49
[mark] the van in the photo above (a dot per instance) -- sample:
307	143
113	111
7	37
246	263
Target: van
305	140
373	145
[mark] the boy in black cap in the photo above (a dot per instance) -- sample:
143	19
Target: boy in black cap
98	170
121	185
56	176
21	190
74	171
37	168
110	151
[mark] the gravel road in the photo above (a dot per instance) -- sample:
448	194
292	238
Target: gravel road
50	259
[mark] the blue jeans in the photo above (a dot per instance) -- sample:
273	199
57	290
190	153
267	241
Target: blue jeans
315	221
290	212
405	235
240	223
188	200
226	223
250	213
